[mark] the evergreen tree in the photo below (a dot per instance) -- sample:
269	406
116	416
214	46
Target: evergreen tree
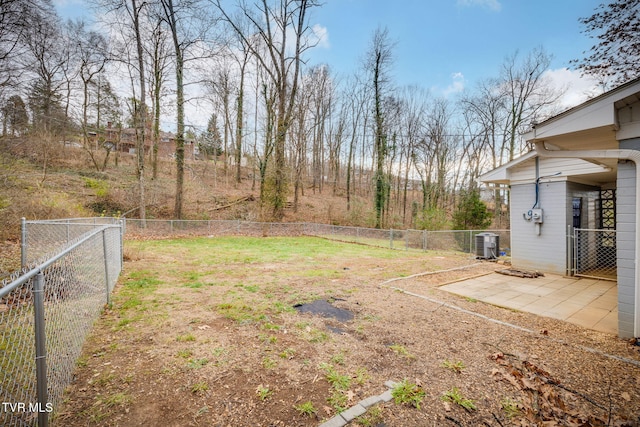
211	142
15	119
471	212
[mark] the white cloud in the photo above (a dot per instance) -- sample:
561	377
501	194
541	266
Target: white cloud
322	35
577	89
489	4
456	86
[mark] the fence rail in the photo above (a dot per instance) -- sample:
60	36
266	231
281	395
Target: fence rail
595	253
42	239
459	240
46	312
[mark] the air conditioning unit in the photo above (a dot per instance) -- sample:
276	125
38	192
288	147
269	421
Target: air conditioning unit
487	245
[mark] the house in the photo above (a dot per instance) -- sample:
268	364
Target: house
125	141
574	199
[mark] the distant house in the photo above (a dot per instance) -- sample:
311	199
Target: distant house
125	141
574	201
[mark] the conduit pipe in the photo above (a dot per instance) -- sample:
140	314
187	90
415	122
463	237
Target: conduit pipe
621	154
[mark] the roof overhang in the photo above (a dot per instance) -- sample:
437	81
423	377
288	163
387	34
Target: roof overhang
501	174
597	172
591	125
598	124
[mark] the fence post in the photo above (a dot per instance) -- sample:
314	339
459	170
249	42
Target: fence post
424	240
391	238
122	225
23	243
576	251
106	263
569	263
41	350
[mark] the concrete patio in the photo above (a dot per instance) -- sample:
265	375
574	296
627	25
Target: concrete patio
590	303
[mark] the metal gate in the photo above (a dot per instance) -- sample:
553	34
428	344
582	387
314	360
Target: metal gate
595	253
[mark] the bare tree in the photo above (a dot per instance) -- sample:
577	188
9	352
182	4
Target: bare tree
16	18
281	58
172	20
44	41
242	58
92	56
188	23
616	56
321	92
528	93
269	98
486	111
159	56
134	10
413	116
335	141
442	143
45	61
503	108
354	106
378	62
301	132
130	16
221	85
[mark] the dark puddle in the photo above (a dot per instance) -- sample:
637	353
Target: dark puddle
325	309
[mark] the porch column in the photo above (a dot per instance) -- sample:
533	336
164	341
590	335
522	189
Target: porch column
626	246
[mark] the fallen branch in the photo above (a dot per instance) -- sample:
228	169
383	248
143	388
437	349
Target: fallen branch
520	273
248	198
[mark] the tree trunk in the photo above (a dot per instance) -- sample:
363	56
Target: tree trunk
141	113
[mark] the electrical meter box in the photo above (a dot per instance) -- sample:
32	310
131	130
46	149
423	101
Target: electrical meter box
536	216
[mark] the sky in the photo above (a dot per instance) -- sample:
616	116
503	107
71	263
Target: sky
446	46
449	45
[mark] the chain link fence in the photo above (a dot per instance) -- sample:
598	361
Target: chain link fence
157	228
42	239
423	240
47	310
595	253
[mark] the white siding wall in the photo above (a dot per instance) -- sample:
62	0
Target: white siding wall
548	251
626	226
549	166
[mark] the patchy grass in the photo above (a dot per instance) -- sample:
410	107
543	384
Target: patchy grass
337	380
373	417
454	395
511	407
263	392
199	387
306	408
401	350
408	393
456	366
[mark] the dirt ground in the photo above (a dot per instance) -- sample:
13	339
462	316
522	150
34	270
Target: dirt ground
181	355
